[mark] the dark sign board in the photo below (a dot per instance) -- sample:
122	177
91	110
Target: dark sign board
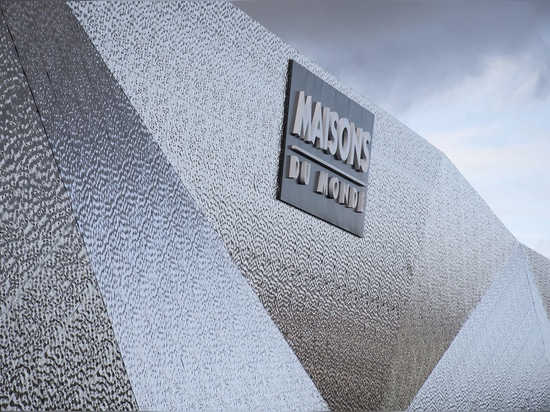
326	151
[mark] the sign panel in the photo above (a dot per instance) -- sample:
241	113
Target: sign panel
326	151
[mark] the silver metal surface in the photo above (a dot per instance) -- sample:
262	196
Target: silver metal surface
57	346
464	246
540	268
368	318
499	359
173	199
192	333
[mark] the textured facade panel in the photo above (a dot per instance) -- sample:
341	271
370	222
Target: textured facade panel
540	268
192	332
217	111
360	314
499	360
463	248
57	346
368	318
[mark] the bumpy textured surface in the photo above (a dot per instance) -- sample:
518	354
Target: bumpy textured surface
368	318
500	358
540	268
217	112
57	346
192	332
464	247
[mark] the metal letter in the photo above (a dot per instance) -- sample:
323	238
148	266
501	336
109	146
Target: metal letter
352	197
365	155
322	144
293	167
316	134
361	202
342	149
305	170
354	156
332	140
343	195
333	187
302	119
322	183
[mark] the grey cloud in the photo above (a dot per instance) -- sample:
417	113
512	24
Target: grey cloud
394	52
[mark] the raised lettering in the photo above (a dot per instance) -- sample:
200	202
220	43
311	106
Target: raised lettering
293	168
352	198
333	187
305	171
322	143
365	154
344	192
302	119
322	183
361	202
332	141
342	149
316	134
354	157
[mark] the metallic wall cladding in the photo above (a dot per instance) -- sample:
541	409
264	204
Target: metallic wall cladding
540	268
192	332
464	247
217	112
500	358
368	318
57	346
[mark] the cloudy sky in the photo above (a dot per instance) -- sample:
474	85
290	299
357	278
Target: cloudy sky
472	77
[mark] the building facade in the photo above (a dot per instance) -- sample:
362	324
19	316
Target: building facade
150	262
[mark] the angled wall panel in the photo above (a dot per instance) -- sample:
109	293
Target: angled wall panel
500	358
368	318
540	268
192	332
464	247
210	85
57	346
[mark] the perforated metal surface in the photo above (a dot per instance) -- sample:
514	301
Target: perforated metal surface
192	333
368	318
57	346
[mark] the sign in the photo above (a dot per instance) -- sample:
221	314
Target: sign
326	151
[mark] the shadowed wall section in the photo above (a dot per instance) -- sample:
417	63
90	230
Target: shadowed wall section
57	346
192	333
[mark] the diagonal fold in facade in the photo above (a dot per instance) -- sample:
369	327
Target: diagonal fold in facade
57	345
192	333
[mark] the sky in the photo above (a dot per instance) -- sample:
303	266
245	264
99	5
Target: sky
471	77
